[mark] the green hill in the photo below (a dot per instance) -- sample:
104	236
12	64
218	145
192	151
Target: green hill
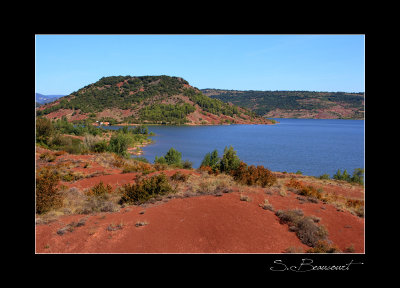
146	99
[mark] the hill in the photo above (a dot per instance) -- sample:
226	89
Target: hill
43	99
146	99
295	104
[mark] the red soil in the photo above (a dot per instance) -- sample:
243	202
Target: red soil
204	224
200	224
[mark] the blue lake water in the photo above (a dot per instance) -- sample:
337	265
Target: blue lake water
312	146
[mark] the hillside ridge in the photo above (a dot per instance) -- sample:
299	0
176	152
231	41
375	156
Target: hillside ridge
146	100
295	104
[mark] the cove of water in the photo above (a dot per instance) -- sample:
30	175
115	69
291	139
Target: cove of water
312	146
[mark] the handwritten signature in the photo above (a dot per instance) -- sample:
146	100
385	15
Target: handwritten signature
306	265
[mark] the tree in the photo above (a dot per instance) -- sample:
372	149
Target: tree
119	144
211	160
338	175
230	161
173	157
358	176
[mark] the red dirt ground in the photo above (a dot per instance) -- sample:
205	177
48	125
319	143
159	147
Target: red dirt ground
199	224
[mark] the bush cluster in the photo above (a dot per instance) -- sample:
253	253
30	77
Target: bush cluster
145	189
358	176
226	164
100	190
251	175
48	195
173	158
179	176
138	166
306	230
324	246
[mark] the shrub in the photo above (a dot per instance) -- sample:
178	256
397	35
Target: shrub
146	189
323	246
95	204
251	175
70	176
289	216
211	160
99	190
141	159
310	191
187	164
324	176
44	129
358	176
266	205
173	157
160	160
48	195
179	176
309	233
46	156
306	230
118	161
339	176
145	168
207	169
100	147
244	198
293	183
119	143
230	161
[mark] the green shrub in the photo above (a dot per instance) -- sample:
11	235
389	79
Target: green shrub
230	161
146	189
160	160
173	158
119	143
44	130
100	147
99	190
324	176
358	176
211	160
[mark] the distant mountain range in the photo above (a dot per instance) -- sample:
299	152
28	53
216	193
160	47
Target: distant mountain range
294	104
43	99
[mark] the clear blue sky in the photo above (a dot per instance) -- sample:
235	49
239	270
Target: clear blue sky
66	63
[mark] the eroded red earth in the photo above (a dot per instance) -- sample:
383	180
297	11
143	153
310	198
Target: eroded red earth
198	224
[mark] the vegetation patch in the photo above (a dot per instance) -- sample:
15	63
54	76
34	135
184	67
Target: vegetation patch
48	194
306	230
251	175
145	189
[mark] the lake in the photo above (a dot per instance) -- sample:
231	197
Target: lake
312	146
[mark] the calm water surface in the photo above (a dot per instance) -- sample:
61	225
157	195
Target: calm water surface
312	146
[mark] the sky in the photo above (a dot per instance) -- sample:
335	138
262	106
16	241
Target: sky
66	63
